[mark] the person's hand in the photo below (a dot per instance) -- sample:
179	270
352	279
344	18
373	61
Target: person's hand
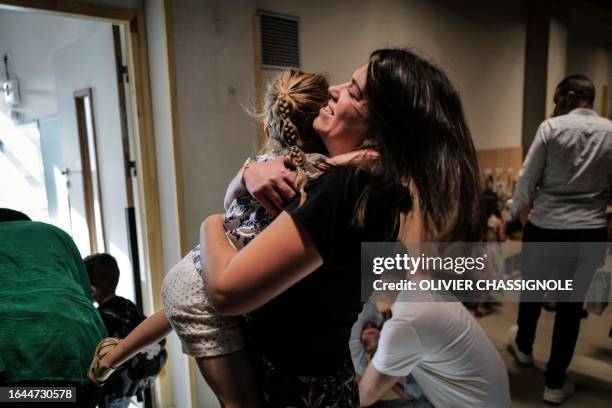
370	334
271	183
369	337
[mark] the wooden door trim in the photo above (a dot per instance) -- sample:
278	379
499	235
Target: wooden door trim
85	149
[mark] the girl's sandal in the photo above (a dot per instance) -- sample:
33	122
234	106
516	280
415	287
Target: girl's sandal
98	373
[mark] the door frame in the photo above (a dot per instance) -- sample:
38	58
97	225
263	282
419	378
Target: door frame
133	22
90	189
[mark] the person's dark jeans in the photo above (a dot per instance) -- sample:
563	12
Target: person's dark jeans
567	317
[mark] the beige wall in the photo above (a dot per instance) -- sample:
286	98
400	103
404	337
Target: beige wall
557	60
590	50
215	82
479	44
596	63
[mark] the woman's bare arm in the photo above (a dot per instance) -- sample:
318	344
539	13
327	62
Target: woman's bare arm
241	281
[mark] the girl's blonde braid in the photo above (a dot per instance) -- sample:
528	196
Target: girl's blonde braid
290	136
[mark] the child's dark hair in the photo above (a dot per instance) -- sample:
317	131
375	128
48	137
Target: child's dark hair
103	272
6	215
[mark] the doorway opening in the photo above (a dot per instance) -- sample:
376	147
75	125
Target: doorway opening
76	136
66	141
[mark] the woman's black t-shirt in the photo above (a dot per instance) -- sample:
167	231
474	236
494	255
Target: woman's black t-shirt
306	329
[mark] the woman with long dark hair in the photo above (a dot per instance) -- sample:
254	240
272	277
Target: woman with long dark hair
297	282
424	141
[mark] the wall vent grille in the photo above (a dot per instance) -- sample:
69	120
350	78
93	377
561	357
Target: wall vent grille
279	41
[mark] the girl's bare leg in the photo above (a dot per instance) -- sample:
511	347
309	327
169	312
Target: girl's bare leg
149	331
231	378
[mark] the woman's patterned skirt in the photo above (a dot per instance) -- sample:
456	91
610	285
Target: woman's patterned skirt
281	389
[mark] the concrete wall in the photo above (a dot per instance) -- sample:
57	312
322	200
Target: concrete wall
590	50
215	82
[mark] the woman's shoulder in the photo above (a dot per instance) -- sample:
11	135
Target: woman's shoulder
342	183
345	174
340	173
332	191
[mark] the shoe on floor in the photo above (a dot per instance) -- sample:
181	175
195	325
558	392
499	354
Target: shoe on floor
522	358
559	395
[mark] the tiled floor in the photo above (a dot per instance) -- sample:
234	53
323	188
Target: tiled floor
591	368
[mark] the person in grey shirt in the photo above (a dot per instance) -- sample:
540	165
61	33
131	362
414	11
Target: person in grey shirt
567	175
568	169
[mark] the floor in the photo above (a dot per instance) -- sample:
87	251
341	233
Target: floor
591	368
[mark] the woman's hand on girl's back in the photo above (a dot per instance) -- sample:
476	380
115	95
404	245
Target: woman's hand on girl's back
271	183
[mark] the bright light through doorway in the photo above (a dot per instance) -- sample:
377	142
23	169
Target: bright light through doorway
22	184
